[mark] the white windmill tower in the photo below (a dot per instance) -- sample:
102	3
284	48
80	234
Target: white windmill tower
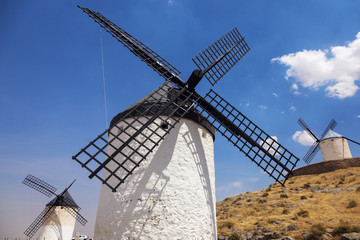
157	155
333	145
57	220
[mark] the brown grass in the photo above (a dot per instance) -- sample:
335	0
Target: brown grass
302	195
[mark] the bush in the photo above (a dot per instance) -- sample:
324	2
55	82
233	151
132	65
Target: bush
285	211
345	227
351	204
262	201
228	224
234	236
303	213
268	189
358	189
265	194
284	196
306	185
315	232
303	197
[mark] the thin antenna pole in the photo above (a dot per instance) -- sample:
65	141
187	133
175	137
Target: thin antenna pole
103	78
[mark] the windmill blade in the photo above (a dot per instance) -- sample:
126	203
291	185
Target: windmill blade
39	185
221	56
331	126
311	153
152	59
260	147
307	129
135	134
34	227
73	212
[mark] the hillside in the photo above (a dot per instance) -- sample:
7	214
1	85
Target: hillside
307	208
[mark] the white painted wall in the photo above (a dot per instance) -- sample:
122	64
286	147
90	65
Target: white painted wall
335	149
59	226
170	196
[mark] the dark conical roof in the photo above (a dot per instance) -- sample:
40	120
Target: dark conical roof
64	199
160	98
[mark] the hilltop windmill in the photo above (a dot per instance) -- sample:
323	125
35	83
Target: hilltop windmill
159	152
58	218
333	146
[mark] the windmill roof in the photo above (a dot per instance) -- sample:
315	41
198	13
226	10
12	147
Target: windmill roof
64	199
192	114
331	134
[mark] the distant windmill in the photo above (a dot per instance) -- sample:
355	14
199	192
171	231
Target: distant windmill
58	218
158	153
333	145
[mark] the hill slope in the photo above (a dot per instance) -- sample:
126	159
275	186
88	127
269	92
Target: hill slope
308	205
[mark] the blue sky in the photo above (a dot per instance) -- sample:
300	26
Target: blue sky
304	62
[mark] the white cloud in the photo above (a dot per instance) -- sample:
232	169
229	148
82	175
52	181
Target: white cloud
246	104
358	116
337	69
303	138
275	95
238	185
292	108
263	107
171	2
295	89
270	142
254	179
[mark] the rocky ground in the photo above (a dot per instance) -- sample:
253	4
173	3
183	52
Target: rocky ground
319	206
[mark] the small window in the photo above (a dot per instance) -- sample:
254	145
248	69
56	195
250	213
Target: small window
164	125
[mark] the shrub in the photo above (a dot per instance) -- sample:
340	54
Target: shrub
228	224
358	189
265	194
352	180
351	204
303	213
234	236
345	227
248	200
284	196
285	211
303	197
262	201
268	189
306	185
315	232
318	182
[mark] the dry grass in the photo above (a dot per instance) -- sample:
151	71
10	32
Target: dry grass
323	199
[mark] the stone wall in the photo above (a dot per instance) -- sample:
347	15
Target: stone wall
329	166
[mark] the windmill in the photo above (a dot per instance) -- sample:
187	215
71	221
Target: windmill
315	147
134	143
333	145
58	218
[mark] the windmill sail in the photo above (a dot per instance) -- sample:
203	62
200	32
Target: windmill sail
43	216
221	56
141	128
152	59
39	185
257	145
